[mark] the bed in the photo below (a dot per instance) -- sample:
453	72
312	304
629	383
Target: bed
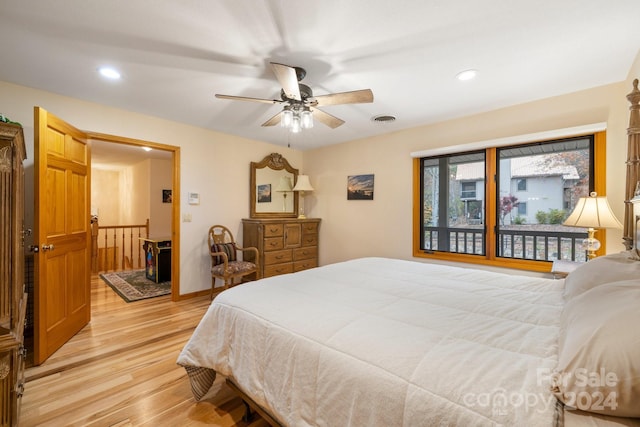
381	342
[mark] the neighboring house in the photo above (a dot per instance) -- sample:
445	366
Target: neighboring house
470	187
538	183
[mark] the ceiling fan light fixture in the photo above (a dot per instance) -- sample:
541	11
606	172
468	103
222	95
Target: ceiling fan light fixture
298	100
296	126
306	119
287	118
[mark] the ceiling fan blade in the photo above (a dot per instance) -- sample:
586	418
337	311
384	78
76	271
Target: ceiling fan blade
244	98
326	118
353	97
273	120
288	79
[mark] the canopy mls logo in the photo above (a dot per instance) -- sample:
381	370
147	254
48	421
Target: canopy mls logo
581	389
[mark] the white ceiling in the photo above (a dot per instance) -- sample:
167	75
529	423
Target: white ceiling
107	155
175	55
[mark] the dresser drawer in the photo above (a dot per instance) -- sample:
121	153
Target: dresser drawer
273	243
271	230
305	253
277	257
309	240
305	264
308	228
274	270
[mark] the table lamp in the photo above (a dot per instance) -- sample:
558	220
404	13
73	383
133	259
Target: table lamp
283	187
301	186
592	212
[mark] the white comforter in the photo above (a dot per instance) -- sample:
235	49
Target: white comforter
382	342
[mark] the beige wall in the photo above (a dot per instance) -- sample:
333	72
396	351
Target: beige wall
134	193
383	227
129	195
105	195
159	212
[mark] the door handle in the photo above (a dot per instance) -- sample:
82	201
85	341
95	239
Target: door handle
47	248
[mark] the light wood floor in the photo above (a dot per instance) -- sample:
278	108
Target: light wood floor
120	370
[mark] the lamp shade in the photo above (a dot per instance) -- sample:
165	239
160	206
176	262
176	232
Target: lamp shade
593	212
303	184
284	184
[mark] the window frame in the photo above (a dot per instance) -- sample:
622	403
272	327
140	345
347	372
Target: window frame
491	164
518	184
522	211
462	190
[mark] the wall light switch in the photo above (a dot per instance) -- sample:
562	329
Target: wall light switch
186	217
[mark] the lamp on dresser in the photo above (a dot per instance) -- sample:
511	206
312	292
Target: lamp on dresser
284	186
301	186
592	212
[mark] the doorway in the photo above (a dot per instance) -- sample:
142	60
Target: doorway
121	151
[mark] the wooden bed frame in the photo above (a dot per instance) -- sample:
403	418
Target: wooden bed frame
633	165
249	405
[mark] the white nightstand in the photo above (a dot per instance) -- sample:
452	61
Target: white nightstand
561	268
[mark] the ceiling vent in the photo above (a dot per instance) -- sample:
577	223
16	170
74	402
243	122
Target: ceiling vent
384	119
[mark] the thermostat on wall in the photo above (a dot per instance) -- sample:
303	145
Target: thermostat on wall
194	198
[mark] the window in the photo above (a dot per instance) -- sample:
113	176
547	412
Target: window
514	217
522	184
522	208
453	223
468	190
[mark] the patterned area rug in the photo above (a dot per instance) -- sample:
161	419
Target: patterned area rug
132	285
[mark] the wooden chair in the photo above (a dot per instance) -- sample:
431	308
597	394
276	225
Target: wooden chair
225	264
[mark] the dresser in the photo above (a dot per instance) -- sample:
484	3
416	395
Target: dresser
286	245
13	300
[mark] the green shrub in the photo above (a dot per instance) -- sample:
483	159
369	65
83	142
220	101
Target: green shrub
556	216
542	217
519	220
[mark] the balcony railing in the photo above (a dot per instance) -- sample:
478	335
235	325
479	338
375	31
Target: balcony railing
520	242
117	247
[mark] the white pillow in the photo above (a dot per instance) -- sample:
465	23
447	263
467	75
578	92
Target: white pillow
605	269
599	351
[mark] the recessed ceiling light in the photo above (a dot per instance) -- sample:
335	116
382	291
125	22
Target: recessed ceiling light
467	75
147	148
110	73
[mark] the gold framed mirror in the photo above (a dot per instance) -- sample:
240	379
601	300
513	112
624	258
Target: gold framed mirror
271	183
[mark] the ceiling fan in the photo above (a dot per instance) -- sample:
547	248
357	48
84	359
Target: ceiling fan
299	104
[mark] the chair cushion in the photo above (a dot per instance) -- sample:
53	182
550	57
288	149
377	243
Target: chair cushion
234	268
227	248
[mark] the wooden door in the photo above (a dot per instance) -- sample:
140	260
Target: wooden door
62	233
